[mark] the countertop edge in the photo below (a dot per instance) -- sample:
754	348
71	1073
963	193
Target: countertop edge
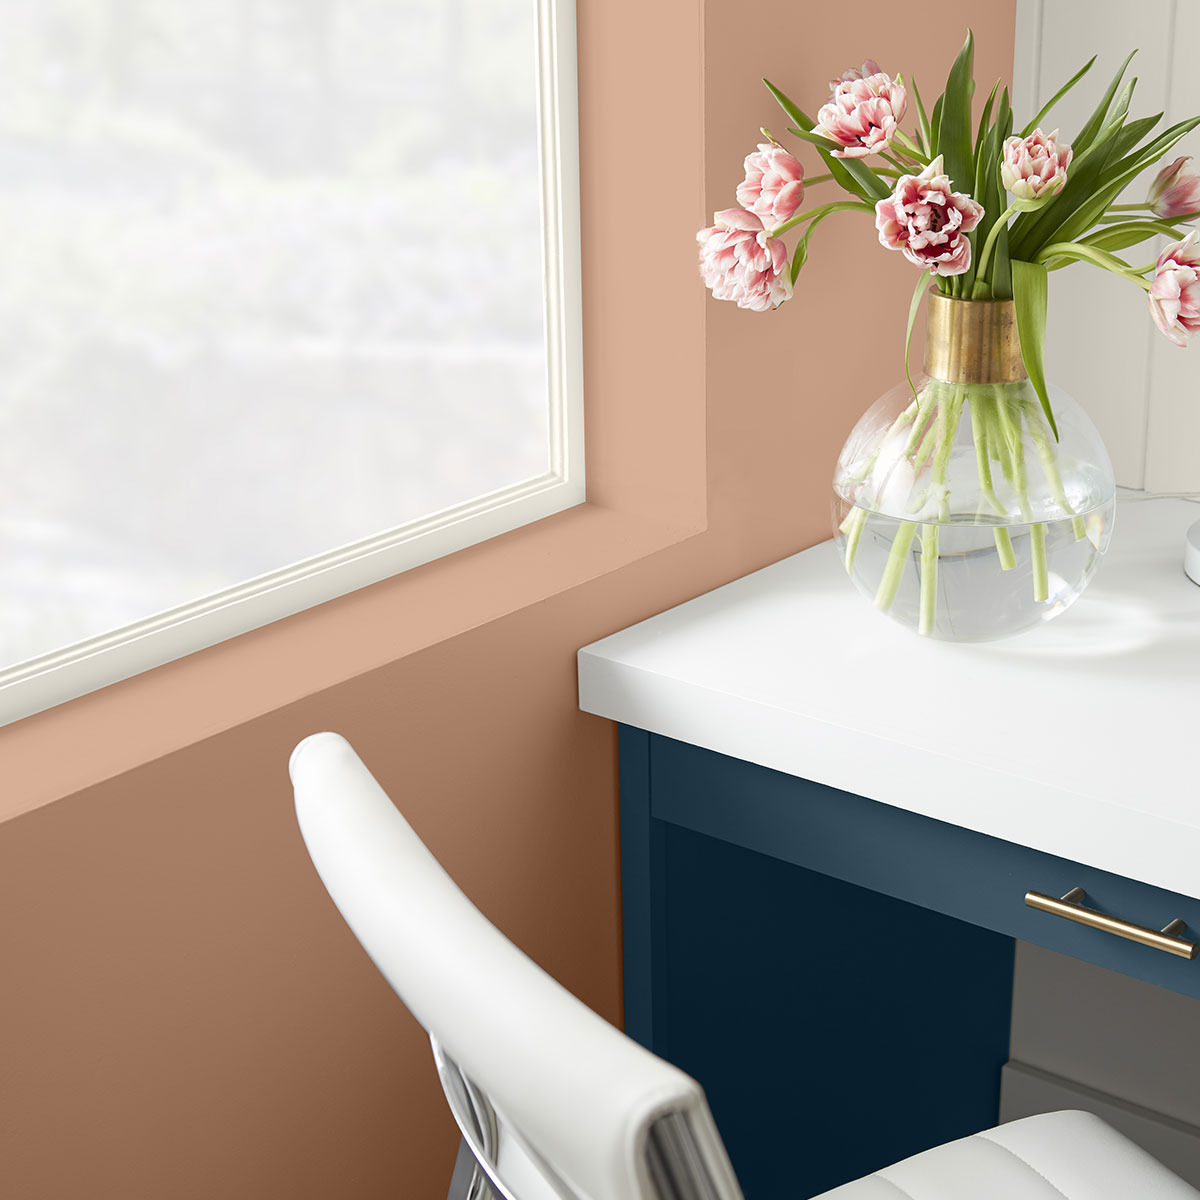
1069	825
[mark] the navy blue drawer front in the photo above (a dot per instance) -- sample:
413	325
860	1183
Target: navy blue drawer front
942	867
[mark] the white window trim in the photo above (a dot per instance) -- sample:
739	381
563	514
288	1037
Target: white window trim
75	670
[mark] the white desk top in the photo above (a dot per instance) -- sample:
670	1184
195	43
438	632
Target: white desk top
1080	738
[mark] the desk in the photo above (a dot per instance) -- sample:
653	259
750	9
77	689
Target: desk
828	827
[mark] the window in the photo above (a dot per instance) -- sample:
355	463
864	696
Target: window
289	302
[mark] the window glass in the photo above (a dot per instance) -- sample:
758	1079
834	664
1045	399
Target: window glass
271	281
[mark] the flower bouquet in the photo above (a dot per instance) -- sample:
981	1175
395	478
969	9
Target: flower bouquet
974	500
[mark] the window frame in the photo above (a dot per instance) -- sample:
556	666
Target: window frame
72	671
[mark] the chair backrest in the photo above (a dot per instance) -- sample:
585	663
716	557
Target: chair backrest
552	1100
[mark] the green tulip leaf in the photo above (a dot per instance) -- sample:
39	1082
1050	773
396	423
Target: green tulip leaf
913	308
984	124
799	258
935	126
1130	233
1062	91
1087	135
851	174
954	132
788	106
1029	296
923	127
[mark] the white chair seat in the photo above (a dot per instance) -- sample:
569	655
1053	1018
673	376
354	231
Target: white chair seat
1056	1156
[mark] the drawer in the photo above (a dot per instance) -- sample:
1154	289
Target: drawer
942	867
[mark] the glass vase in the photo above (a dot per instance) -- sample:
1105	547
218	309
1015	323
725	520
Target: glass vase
957	510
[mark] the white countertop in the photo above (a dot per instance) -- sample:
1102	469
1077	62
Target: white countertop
1080	738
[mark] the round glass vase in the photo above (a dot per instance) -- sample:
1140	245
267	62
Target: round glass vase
957	511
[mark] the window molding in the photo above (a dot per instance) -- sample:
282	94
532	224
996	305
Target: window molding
558	134
40	683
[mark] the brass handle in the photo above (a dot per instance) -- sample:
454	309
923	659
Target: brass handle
1071	907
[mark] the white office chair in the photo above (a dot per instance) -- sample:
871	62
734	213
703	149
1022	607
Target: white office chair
556	1104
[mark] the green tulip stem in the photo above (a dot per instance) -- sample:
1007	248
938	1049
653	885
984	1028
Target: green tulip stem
910	147
853	527
1037	552
921	423
948	418
1049	460
981	404
929	575
1037	531
998	419
993	234
897	557
935	446
909	415
821	213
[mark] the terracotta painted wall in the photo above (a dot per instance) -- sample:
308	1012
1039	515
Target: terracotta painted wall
182	1013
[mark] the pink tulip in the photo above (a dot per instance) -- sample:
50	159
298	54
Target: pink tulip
1175	191
863	115
927	222
870	67
741	263
1175	293
1034	166
773	187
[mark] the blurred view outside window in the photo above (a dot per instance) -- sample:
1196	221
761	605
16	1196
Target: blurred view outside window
270	282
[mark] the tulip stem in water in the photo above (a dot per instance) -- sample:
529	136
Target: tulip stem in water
1041	439
897	557
852	527
1037	551
929	574
1037	532
929	426
980	420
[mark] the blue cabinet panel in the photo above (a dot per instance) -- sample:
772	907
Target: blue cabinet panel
940	867
834	1029
836	972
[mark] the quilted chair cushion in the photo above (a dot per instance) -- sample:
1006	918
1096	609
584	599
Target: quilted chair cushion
1055	1156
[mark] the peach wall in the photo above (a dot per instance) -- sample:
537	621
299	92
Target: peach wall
183	1013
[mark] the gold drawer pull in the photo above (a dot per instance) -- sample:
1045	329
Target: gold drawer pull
1071	907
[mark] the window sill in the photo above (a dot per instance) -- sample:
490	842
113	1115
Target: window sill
99	736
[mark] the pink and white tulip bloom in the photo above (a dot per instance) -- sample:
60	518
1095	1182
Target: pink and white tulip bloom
863	115
773	187
928	222
1175	293
1034	166
1175	191
741	263
870	67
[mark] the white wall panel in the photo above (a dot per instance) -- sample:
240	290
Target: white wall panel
1099	337
1027	65
1173	428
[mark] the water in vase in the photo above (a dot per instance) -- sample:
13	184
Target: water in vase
982	581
